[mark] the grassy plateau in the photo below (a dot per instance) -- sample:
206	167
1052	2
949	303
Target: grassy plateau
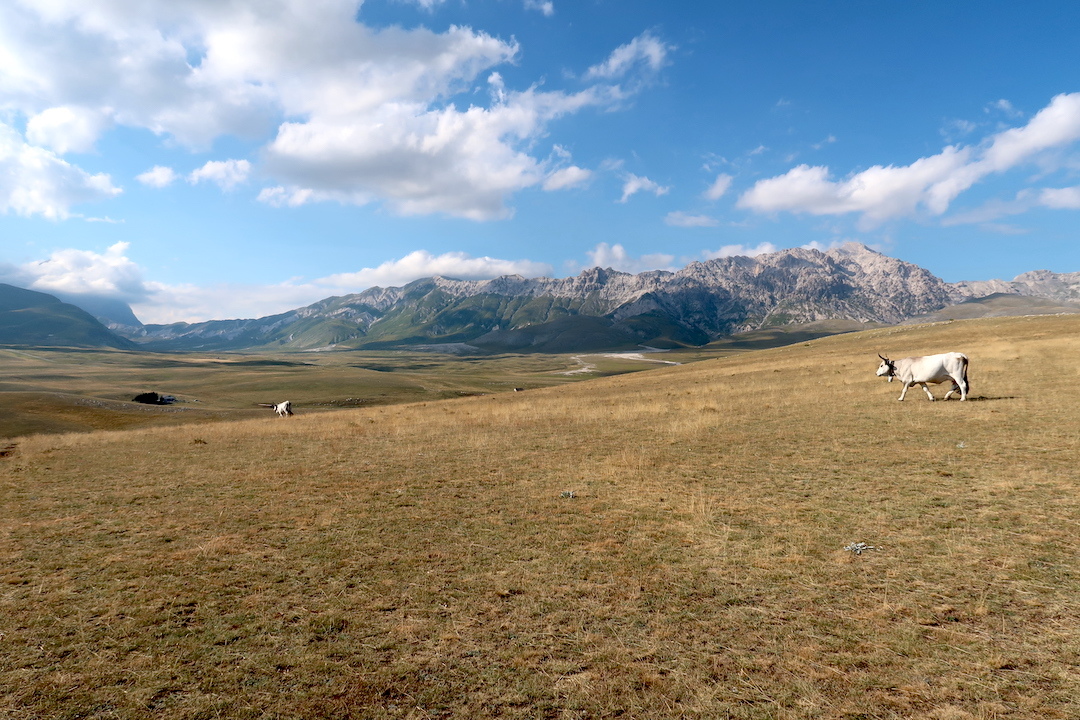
676	543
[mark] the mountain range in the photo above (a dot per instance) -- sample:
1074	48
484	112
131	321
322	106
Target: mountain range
604	309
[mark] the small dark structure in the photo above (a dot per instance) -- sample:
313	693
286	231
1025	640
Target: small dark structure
152	398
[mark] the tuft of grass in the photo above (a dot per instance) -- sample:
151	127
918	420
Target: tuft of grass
421	560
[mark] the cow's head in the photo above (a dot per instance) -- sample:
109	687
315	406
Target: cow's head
887	368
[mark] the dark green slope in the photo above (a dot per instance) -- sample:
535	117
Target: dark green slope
35	319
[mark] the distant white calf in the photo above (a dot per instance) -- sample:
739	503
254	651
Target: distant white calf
928	369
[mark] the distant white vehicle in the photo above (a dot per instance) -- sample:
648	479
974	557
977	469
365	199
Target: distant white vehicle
282	408
950	366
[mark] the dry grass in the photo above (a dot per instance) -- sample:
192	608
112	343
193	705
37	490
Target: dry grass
666	544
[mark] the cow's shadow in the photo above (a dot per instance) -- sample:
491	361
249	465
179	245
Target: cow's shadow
991	398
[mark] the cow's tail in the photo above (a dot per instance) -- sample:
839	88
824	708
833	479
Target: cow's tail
967	383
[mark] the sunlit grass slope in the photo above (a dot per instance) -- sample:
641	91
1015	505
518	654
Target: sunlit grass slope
658	545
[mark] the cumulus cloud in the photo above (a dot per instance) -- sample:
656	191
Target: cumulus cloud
681	219
35	181
158	176
84	272
226	174
421	264
617	258
718	188
66	129
929	184
877	193
634	184
740	251
361	114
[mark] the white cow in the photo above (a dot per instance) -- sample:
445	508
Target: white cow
928	369
283	409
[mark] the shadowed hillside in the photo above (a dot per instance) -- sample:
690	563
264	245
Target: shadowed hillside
29	318
679	543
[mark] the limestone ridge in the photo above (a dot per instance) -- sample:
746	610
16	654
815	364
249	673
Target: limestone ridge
1063	287
599	308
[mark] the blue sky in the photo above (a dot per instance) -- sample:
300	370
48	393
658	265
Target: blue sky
206	159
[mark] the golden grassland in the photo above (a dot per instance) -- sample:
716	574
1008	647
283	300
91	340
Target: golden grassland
51	390
665	544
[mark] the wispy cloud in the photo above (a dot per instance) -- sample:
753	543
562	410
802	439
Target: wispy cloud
646	51
681	219
547	7
633	184
718	188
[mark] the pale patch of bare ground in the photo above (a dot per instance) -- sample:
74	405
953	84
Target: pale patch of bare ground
669	544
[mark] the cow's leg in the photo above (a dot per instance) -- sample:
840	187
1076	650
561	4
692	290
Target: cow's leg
960	386
926	389
903	392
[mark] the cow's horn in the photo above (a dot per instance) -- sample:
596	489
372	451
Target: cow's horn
883	357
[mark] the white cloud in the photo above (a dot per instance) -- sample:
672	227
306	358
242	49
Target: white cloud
287	197
363	114
84	272
616	258
644	50
681	219
66	129
35	181
740	250
547	7
1060	198
718	188
1006	107
929	184
878	192
226	174
634	184
158	176
1056	125
567	177
421	264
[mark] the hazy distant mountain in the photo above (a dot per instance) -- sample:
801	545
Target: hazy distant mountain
108	311
33	318
597	309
